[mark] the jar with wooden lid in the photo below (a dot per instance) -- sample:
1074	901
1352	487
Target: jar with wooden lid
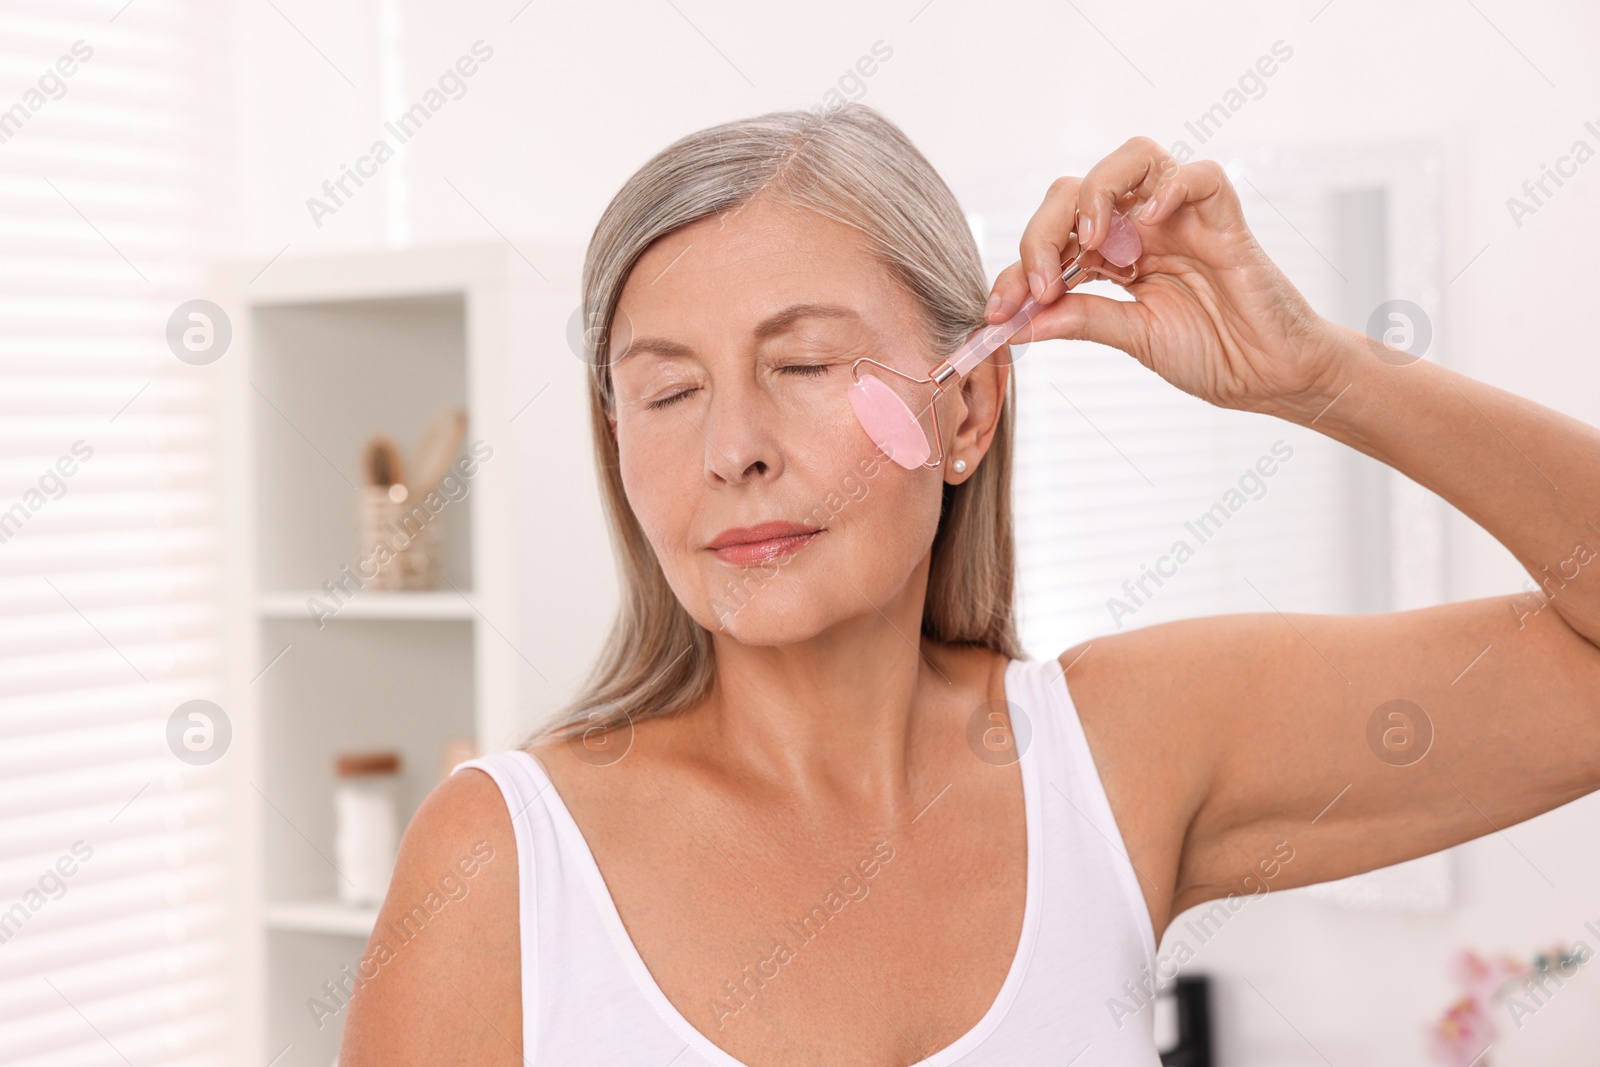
366	824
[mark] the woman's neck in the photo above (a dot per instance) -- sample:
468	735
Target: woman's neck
841	718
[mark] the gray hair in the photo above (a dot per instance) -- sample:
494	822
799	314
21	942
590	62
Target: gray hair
852	165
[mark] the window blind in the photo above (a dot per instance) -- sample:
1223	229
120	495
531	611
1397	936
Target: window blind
1115	468
113	852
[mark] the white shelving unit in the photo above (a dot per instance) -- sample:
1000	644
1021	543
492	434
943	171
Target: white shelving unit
322	917
392	605
325	353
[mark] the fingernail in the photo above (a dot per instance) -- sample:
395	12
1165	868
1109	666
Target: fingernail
1148	209
992	306
1085	230
1036	283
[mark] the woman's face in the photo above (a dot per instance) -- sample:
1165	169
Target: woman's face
731	354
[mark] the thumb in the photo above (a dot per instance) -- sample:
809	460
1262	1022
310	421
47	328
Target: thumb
1076	316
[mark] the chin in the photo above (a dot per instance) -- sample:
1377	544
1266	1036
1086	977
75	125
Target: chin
766	632
764	612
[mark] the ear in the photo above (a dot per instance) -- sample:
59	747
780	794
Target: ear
977	414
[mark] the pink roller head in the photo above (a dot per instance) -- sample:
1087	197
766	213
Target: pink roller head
889	423
1122	245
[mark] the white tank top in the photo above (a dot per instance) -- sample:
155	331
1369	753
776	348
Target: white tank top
1077	987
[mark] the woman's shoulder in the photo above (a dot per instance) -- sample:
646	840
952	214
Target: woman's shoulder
444	953
466	813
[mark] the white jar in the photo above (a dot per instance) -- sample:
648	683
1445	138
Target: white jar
367	825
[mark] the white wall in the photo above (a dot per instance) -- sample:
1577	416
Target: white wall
1002	97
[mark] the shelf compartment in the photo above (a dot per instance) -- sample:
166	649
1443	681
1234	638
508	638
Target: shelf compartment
325	377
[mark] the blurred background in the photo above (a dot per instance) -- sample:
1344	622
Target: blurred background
288	282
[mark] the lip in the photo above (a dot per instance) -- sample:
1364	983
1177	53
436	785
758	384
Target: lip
763	542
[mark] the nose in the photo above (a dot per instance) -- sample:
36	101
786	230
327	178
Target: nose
740	438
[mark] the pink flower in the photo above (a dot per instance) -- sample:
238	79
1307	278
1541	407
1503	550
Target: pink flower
1463	1034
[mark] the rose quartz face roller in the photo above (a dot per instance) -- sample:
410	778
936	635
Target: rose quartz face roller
892	425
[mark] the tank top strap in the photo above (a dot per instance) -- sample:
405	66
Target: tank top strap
1075	800
521	779
524	787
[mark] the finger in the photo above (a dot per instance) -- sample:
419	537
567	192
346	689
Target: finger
1132	172
1203	182
1047	241
1087	317
1010	289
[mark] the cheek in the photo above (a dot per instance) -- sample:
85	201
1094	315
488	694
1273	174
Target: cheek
883	522
905	514
653	480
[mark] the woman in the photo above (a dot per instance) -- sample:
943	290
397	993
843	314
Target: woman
814	806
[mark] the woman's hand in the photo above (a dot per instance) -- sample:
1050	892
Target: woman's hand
1212	314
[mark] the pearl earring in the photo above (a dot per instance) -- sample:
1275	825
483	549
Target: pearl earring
960	466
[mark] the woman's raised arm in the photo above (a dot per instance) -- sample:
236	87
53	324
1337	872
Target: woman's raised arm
1359	740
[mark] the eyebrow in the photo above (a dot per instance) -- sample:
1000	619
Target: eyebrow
767	328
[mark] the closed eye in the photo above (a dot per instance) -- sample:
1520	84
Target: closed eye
810	370
673	399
